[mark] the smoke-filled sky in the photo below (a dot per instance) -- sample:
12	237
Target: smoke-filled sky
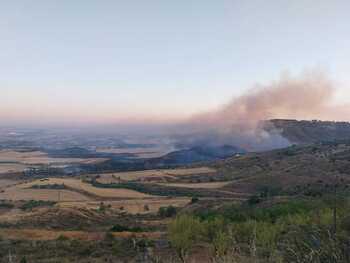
93	62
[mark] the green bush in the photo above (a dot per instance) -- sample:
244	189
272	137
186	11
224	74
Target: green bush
194	200
49	186
292	231
6	205
120	228
168	211
184	232
314	245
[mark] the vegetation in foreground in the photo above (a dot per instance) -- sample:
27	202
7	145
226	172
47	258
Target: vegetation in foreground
300	231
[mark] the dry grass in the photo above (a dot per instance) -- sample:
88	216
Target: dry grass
190	171
213	185
143	175
131	206
11	168
80	194
5	183
147	152
41	234
17	192
13	215
37	157
85	187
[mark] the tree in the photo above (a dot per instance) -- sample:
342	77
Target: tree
184	232
102	207
168	211
224	247
218	233
194	200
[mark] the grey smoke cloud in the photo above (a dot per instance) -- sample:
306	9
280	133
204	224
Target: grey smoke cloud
239	122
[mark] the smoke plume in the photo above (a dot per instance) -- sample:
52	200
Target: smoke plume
240	122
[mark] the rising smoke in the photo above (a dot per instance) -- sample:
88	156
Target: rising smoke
241	121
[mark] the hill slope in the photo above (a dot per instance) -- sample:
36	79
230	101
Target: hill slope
310	131
299	169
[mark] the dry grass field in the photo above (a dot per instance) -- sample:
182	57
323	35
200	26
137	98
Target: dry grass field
144	175
78	185
213	185
42	234
18	192
142	206
148	152
11	168
37	157
5	183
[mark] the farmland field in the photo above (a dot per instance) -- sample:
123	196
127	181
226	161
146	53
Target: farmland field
11	168
146	152
136	206
4	183
9	158
18	192
140	175
35	234
78	185
212	185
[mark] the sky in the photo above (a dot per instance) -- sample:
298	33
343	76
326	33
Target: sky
110	61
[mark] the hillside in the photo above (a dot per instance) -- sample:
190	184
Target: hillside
310	131
309	170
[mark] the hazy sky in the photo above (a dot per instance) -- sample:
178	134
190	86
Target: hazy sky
103	61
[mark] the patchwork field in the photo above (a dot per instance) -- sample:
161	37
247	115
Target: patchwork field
18	192
142	206
146	152
4	183
76	193
11	168
85	188
153	174
213	185
13	161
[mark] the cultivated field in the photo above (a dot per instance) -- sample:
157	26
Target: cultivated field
36	234
213	185
12	161
85	188
149	174
18	192
11	168
5	183
142	206
146	152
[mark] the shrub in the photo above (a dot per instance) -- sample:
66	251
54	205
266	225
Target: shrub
102	207
223	244
120	228
194	200
184	232
168	211
313	244
6	205
49	186
254	199
29	205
